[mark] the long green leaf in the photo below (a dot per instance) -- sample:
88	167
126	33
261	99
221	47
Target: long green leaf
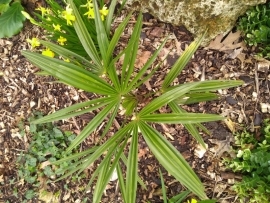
72	110
91	126
73	57
172	160
117	34
181	62
107	172
192	128
85	37
121	182
213	85
163	187
167	97
132	168
109	17
70	74
182	118
134	83
135	39
192	98
102	38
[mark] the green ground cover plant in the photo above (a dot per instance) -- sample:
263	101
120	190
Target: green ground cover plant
255	25
116	88
253	161
11	18
48	143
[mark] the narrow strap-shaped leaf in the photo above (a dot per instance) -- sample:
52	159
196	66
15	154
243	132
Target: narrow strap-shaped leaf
167	97
180	197
102	38
172	160
132	168
99	184
192	98
163	187
124	159
109	17
70	74
107	172
95	122
181	62
117	34
213	85
135	38
69	54
85	162
134	83
109	123
121	182
84	37
192	129
69	111
182	118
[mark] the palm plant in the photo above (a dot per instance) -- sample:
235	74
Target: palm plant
117	90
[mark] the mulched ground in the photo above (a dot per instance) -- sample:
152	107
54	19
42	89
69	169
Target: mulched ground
22	92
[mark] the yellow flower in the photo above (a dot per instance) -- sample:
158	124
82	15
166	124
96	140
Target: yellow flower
34	42
57	27
48	53
42	10
67	14
103	12
61	40
89	5
192	201
90	13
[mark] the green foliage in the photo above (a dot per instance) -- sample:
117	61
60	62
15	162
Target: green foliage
253	161
11	18
255	25
48	143
117	88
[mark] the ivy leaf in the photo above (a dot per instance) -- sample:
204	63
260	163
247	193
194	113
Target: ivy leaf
12	20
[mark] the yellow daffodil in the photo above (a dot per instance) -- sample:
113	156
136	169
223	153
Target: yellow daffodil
89	5
42	10
61	40
67	14
34	42
90	13
103	12
57	27
48	52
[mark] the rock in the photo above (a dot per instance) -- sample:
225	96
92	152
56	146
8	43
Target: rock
219	16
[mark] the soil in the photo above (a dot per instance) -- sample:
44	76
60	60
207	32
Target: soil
23	92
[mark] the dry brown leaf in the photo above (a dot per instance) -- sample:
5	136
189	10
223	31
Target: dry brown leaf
157	32
142	58
229	43
222	146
